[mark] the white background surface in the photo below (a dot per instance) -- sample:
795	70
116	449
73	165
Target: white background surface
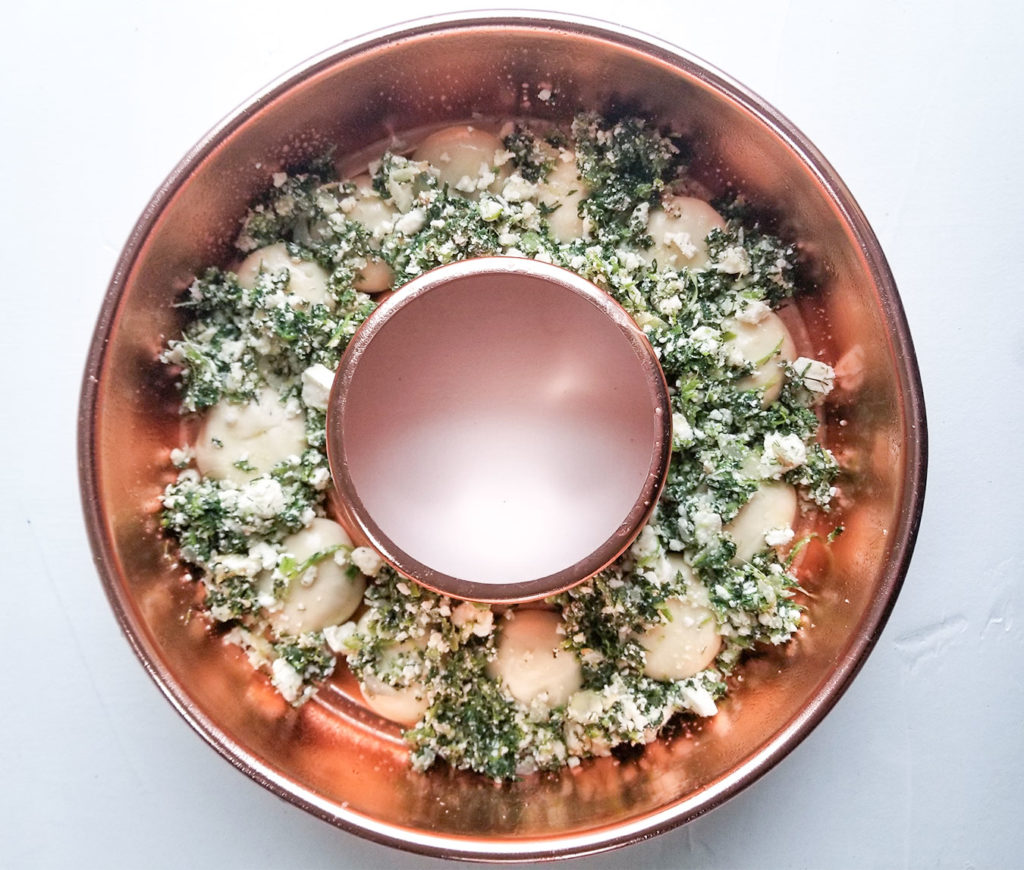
918	106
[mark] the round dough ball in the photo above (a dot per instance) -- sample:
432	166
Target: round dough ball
563	190
257	435
680	229
685	645
464	159
332	597
405	706
306	279
767	345
378	216
531	661
772	506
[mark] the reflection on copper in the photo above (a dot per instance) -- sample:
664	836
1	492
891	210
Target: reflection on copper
352	99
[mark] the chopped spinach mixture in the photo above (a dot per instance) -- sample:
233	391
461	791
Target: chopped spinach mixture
256	359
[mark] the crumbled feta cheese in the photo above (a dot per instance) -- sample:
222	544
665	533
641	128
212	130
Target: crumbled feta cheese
753	312
646	544
473	618
367	561
778	537
182	456
706	339
707	525
317	381
783	452
490	209
517	188
733	261
682	432
671	305
699	700
262	497
412	222
682	242
286	680
817	377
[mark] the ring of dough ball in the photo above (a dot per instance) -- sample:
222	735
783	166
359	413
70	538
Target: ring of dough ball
306	279
334	594
257	435
531	661
563	190
464	158
680	229
404	705
683	646
767	345
772	506
378	216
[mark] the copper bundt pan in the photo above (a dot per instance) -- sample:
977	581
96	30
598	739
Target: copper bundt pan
333	758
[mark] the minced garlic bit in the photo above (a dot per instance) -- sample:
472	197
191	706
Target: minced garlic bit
422	652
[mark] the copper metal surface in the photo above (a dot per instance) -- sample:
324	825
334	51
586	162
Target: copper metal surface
333	758
492	402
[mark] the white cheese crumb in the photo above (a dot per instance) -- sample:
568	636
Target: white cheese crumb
778	537
671	305
279	178
706	339
817	377
734	261
707	526
473	618
485	177
700	700
182	456
682	432
544	94
286	680
517	188
753	312
646	544
367	561
783	452
490	209
338	636
682	242
411	223
264	554
262	497
317	381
